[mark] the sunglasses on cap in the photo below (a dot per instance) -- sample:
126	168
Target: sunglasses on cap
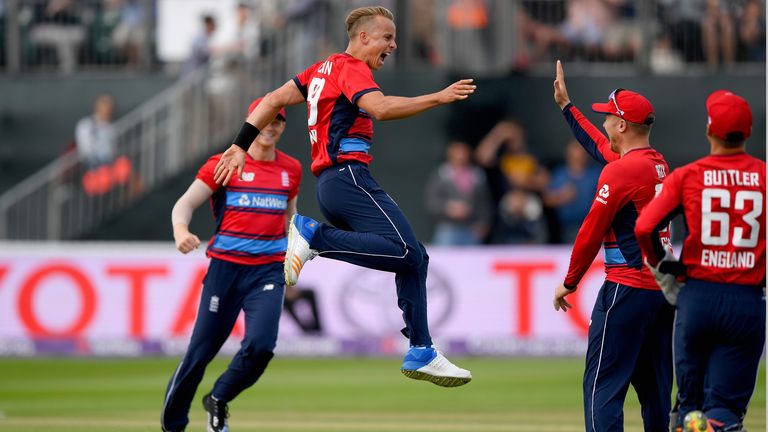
612	98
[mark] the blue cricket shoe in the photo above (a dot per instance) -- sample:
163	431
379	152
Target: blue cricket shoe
429	364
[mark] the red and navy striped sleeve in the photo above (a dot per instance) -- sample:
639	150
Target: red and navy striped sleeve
594	142
612	195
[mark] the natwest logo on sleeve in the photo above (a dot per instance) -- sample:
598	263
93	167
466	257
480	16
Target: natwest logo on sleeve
602	194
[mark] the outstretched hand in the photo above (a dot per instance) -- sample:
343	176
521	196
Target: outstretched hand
459	90
232	160
561	93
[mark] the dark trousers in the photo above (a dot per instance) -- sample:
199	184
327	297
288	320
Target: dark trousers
719	338
368	229
227	289
630	342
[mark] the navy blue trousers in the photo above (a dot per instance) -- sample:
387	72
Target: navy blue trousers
630	342
368	229
719	339
227	289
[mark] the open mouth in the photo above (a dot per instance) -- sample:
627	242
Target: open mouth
384	56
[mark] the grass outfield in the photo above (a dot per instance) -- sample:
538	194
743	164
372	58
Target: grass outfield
81	395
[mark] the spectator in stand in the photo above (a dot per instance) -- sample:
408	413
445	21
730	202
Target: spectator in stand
503	152
95	134
227	68
539	23
664	59
571	189
201	47
752	32
423	31
457	197
305	22
586	22
58	26
129	34
96	144
465	48
683	19
521	219
517	182
718	34
248	39
623	38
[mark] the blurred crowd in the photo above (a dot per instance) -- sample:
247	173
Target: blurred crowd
711	31
467	35
497	192
66	34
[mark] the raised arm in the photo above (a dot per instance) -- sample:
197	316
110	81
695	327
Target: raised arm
181	215
487	150
233	160
383	107
593	141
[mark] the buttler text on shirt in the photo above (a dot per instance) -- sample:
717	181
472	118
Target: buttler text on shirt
731	177
729	259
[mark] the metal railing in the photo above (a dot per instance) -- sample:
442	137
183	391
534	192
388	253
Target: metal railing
165	135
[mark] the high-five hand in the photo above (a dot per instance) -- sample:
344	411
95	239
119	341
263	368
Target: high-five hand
561	93
232	160
459	90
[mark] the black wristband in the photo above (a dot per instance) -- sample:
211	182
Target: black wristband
245	137
569	287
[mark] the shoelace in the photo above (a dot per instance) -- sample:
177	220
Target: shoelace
441	361
221	412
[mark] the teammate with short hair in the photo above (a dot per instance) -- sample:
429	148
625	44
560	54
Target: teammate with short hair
366	228
630	332
245	273
720	323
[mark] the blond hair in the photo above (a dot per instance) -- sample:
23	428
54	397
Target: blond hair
363	15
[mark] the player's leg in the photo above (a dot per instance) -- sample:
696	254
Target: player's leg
263	290
692	342
652	378
376	234
734	362
370	230
611	354
367	228
216	315
423	361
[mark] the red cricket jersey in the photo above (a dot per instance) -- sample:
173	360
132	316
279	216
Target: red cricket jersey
625	187
250	212
339	131
722	199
